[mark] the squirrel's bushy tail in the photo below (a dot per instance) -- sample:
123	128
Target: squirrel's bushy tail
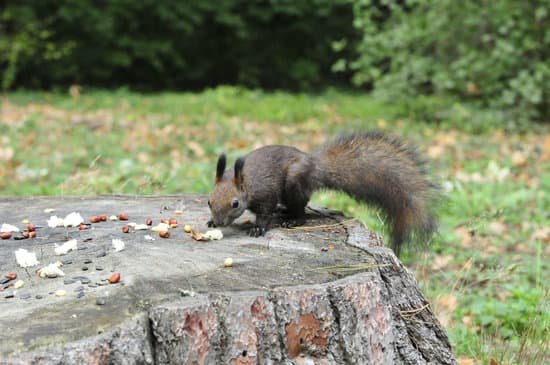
377	169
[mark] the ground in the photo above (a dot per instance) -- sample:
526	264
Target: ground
483	273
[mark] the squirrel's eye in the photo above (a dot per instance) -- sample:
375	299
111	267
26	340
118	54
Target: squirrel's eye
209	204
235	203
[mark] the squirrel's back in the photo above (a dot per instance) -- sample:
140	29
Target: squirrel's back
374	168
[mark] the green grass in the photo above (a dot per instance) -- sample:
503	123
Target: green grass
486	271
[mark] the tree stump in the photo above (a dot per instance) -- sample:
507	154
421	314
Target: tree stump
327	293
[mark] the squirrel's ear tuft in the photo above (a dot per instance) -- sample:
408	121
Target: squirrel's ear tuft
220	168
238	179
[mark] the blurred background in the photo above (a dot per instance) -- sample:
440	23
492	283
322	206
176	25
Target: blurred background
139	97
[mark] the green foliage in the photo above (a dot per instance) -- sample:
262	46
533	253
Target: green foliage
492	52
171	44
512	317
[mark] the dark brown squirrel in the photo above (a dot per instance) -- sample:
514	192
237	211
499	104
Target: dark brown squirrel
277	182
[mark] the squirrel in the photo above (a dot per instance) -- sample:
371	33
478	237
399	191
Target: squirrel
278	181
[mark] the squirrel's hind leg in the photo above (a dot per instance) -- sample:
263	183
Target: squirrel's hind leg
296	193
294	215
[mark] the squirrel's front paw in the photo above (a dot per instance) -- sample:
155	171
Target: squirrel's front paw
210	223
257	231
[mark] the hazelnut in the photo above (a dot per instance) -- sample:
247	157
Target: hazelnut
115	278
123	216
5	235
164	234
228	262
125	229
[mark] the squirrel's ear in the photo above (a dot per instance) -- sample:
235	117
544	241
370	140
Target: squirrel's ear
238	179
220	168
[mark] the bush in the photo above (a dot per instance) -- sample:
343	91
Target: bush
494	53
154	44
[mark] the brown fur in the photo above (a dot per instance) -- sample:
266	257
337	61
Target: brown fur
370	167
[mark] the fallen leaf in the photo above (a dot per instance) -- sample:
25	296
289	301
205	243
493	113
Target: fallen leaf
441	261
465	361
435	151
541	234
196	148
523	248
465	235
533	183
474	177
468	321
546	148
496	173
446	138
448	302
497	228
519	158
6	153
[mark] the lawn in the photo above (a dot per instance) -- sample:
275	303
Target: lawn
486	271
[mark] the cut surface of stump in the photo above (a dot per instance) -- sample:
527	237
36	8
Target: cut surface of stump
326	293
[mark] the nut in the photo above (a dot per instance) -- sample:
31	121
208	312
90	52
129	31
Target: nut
228	262
32	234
123	216
31	227
115	278
5	235
82	227
103	218
187	228
95	219
125	229
149	222
11	276
25	234
164	234
18	284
